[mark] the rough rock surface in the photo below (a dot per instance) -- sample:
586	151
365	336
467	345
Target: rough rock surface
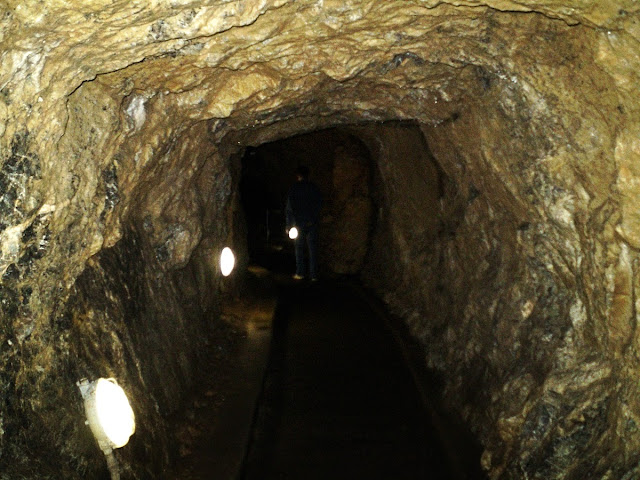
507	228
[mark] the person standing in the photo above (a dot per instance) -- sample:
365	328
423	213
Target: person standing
304	202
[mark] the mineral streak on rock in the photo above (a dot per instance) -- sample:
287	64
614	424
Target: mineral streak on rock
503	187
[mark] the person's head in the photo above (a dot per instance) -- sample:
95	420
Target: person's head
302	173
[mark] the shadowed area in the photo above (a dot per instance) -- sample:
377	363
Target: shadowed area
340	401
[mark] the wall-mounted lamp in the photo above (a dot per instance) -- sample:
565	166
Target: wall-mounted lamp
293	233
227	261
109	416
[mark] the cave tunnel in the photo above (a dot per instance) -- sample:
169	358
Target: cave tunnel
495	147
342	169
330	358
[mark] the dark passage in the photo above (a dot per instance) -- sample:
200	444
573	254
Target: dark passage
339	400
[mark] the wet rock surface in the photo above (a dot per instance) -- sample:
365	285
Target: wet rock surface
504	222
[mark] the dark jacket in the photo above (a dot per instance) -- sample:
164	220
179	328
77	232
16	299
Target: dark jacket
303	205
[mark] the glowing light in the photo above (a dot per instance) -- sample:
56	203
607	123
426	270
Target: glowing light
293	233
109	413
227	261
114	413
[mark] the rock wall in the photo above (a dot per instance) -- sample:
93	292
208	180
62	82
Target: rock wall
121	126
507	331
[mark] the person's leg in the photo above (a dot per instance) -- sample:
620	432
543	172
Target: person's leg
312	243
299	246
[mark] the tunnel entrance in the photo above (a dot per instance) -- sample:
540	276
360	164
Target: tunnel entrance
341	166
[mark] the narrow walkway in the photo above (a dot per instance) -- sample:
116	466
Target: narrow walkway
214	428
339	401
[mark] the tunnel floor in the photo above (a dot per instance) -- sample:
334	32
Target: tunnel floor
338	398
328	386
